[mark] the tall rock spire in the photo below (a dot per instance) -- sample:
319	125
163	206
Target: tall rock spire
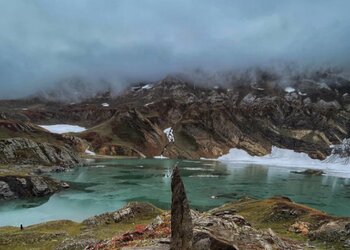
181	222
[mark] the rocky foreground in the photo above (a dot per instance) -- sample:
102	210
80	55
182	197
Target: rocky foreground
276	223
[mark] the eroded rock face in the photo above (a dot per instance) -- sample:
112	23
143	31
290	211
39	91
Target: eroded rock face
13	187
181	221
26	151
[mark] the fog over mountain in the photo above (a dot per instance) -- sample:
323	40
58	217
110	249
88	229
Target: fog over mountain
43	42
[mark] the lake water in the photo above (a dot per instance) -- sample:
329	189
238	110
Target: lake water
107	185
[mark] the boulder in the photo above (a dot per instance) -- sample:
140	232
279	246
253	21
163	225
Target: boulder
13	187
133	210
332	231
5	192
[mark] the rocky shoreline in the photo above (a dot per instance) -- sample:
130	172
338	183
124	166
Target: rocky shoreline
17	187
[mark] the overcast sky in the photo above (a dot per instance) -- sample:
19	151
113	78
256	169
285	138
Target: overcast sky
44	41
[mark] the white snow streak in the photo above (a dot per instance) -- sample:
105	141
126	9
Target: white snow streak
147	86
87	151
170	135
289	89
63	128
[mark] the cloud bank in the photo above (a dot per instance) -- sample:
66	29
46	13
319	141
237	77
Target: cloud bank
43	42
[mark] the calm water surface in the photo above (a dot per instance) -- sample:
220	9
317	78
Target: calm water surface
108	185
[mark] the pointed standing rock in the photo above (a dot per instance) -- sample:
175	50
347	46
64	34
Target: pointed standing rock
181	222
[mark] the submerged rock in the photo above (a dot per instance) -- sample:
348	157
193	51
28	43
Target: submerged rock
181	221
309	172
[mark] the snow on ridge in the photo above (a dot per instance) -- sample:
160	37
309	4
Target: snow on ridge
87	151
169	134
147	104
147	86
63	128
289	89
288	158
105	104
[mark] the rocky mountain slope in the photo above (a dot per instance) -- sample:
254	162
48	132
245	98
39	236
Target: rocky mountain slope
308	114
26	143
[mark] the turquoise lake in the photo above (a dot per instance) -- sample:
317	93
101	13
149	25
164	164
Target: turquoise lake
107	185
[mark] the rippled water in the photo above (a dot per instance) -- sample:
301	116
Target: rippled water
108	185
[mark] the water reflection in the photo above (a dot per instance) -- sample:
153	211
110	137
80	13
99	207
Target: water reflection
108	185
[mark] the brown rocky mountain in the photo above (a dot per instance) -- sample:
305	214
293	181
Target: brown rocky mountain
307	115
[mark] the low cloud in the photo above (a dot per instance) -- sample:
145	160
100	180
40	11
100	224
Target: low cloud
43	42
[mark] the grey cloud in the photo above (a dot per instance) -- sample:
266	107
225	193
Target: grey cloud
42	42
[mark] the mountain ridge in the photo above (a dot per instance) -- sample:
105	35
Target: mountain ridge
309	115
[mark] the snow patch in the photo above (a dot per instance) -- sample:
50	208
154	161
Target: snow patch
169	134
160	157
198	169
289	89
63	128
105	104
147	104
289	158
87	151
147	86
205	176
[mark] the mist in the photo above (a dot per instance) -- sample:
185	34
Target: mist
125	41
